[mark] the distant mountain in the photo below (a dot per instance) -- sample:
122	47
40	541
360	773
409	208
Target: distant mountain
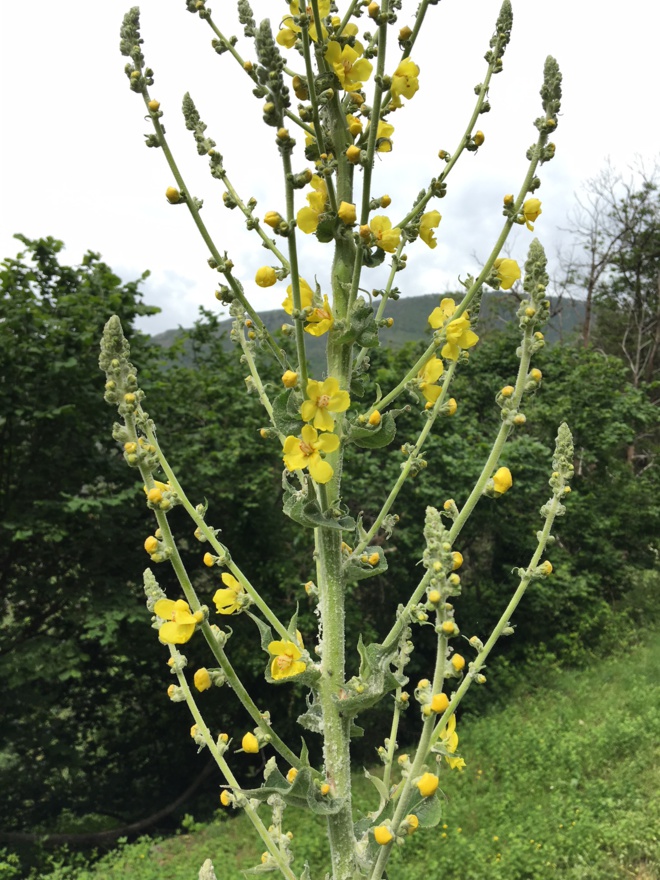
410	316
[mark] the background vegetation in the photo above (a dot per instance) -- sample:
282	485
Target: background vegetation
90	742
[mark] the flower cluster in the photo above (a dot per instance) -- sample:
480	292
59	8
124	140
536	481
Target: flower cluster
459	334
324	400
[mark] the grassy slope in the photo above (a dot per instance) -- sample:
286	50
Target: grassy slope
565	783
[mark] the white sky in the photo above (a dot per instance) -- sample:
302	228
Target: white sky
74	165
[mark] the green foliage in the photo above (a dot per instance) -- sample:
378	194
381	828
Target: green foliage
80	660
562	783
68	603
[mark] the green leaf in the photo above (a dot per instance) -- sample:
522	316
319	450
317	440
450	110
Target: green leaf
303	508
373	258
325	231
363	329
374	438
356	570
265	631
428	811
286	412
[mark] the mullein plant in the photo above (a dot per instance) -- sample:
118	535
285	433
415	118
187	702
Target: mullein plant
349	89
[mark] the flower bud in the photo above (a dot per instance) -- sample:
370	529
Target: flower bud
347	213
273	219
502	480
202	679
265	276
385	201
375	419
172	195
154	106
439	703
353	154
405	34
458	662
290	379
427	784
382	833
410	824
478	138
250	744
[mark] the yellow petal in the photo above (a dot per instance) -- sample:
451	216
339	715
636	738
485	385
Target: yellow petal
323	421
307	220
320	470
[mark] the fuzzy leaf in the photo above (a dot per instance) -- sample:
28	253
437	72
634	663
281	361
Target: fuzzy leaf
286	412
374	438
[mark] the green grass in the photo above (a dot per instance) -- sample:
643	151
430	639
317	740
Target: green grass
565	783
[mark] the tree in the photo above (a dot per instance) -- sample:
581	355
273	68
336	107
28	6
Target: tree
616	227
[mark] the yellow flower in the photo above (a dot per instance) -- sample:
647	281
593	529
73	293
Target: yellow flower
308	218
250	743
286	659
428	223
347	213
457	560
458	662
321	319
265	276
305	452
428	784
502	480
298	8
458	332
286	37
324	398
508	272
531	210
386	237
404	79
226	600
383	134
290	379
442	313
180	623
202	679
350	69
428	376
383	835
449	739
306	297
